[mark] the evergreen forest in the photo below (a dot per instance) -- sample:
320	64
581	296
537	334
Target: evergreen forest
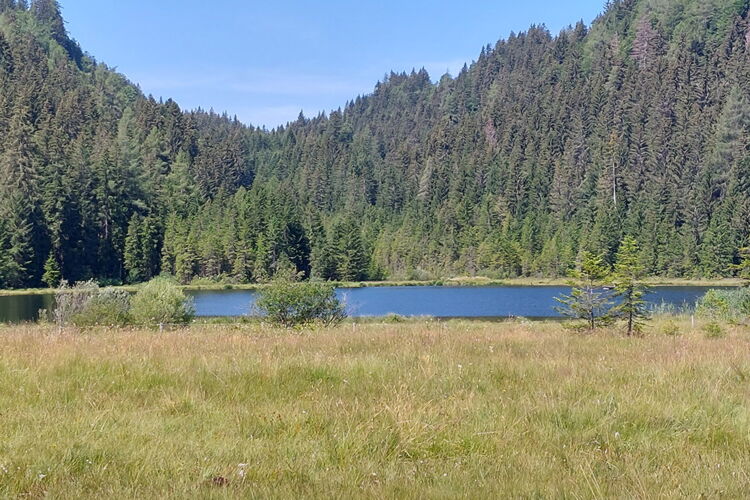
546	148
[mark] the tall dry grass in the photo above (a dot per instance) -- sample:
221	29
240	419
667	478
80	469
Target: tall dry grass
458	409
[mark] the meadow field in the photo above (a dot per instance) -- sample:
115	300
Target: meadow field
379	410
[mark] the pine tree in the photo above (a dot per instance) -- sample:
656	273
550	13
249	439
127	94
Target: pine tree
142	249
7	5
716	250
319	256
186	262
47	12
627	275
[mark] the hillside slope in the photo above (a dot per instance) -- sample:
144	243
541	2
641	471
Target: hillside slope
544	147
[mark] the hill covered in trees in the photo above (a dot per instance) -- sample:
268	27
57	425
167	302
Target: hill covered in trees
545	147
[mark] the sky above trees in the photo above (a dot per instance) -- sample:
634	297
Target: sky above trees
266	61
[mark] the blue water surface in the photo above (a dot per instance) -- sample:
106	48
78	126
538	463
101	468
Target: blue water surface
441	301
436	301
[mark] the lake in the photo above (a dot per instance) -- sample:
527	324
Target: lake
437	301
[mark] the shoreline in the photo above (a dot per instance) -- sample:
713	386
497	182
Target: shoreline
448	282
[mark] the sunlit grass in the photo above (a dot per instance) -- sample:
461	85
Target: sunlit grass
423	409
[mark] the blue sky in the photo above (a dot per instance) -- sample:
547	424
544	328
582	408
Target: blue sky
266	61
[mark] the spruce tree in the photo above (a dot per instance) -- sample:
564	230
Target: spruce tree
743	268
52	275
543	148
627	275
588	300
134	258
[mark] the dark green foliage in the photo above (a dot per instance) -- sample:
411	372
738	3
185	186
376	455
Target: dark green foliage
627	276
142	248
588	300
15	244
544	148
743	268
344	254
289	303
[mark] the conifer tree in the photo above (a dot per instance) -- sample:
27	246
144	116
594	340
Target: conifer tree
6	5
543	148
134	258
743	268
587	299
16	244
52	275
627	275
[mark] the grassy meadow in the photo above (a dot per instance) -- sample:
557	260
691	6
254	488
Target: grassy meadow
408	410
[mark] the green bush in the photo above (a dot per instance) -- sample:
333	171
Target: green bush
393	318
161	301
732	305
670	329
85	304
109	307
713	330
287	303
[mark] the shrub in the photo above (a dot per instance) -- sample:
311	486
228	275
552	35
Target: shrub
161	301
108	307
713	330
393	318
670	329
287	303
725	305
85	304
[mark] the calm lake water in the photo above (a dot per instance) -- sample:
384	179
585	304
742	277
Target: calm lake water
441	302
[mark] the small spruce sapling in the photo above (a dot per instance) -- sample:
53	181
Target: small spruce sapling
588	299
629	289
52	275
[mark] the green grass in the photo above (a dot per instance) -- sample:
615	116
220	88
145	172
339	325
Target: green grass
414	409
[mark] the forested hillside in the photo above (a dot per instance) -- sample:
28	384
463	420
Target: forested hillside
543	148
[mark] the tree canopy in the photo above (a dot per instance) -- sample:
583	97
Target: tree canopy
542	149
